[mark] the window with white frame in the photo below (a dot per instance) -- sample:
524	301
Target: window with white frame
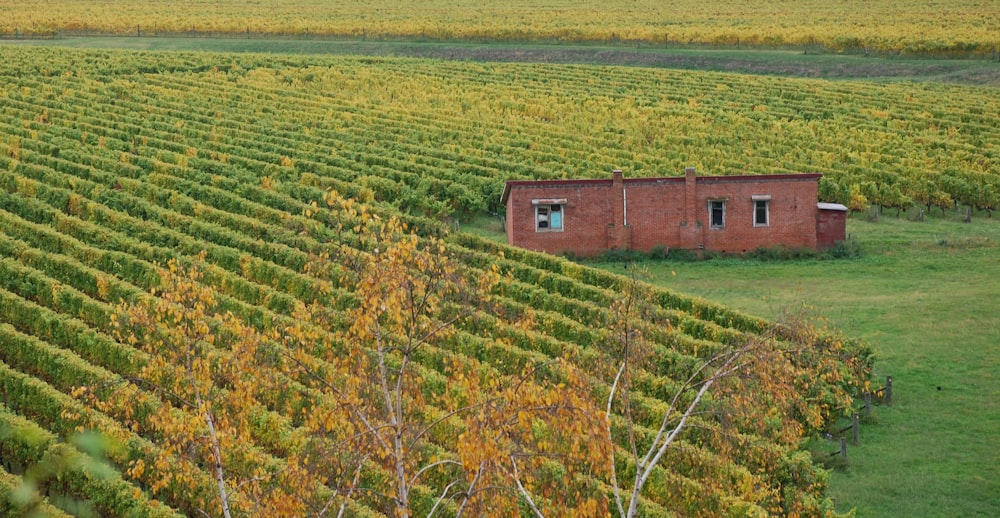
717	213
761	210
549	215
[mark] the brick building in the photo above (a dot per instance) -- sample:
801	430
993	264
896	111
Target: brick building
732	214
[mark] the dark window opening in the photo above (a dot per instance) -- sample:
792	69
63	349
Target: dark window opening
760	213
717	213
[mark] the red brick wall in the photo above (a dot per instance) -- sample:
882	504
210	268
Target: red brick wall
831	227
655	209
657	213
792	219
586	217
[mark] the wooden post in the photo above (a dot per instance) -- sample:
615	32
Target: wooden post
868	404
855	429
843	449
888	390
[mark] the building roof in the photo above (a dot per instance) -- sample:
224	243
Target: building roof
594	182
831	206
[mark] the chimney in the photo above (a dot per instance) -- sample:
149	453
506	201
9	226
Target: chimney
690	194
618	230
619	216
690	232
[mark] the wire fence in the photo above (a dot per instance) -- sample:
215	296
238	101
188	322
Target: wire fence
852	432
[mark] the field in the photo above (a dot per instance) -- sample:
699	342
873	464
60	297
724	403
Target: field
920	293
112	162
966	27
256	171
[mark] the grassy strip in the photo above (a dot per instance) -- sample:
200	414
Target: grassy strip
784	63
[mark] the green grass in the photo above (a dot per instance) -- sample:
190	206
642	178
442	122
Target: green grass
925	295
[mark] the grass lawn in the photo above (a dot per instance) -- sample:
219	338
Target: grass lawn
925	295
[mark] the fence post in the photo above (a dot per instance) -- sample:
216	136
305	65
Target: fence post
888	390
868	404
843	449
855	429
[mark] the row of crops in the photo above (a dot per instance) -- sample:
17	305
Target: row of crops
454	125
963	27
114	163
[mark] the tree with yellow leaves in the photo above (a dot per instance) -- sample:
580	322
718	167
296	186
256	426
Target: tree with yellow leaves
532	439
203	363
408	294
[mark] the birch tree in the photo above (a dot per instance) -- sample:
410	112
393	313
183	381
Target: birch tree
202	364
408	296
779	385
408	293
630	353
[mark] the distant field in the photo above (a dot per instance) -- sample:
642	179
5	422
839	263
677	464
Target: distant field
923	294
955	28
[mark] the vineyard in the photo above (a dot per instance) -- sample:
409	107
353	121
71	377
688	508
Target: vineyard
115	165
398	124
242	189
962	28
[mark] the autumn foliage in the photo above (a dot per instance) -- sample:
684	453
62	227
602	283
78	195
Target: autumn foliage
376	408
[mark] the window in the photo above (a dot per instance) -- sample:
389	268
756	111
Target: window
549	214
760	213
717	213
761	210
548	217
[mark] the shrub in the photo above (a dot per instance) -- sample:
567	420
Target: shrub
616	255
659	252
679	254
848	249
781	253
